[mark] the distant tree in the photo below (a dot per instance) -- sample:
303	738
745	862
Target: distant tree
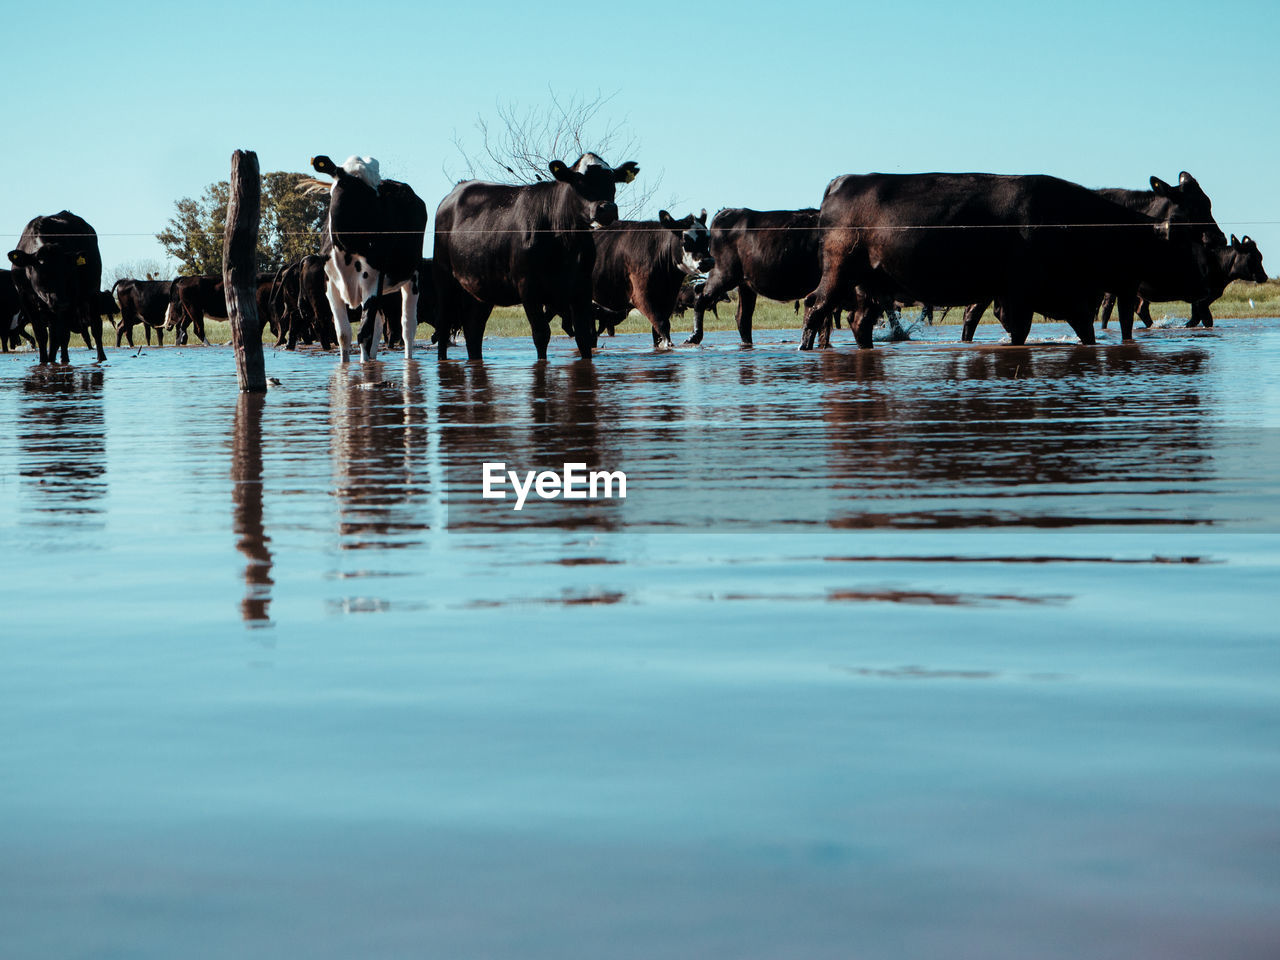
518	144
290	227
137	270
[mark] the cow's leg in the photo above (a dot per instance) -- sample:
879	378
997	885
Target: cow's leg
1015	317
746	310
93	323
1108	303
1144	312
659	318
370	331
473	324
1200	314
44	340
1126	304
341	323
120	335
972	314
712	291
1082	324
409	315
539	326
864	317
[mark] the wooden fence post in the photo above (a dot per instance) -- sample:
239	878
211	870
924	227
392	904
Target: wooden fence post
239	270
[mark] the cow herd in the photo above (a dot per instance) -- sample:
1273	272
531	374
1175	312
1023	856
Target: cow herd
1020	244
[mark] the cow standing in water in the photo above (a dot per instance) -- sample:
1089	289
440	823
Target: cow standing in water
1186	204
148	302
373	240
58	275
644	263
500	245
1241	260
1034	244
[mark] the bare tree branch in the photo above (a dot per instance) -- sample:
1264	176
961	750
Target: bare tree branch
522	140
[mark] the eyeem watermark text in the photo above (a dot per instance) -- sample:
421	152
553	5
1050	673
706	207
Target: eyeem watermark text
572	483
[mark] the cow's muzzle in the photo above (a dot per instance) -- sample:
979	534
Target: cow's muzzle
605	214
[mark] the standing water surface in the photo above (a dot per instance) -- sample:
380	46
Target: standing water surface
916	652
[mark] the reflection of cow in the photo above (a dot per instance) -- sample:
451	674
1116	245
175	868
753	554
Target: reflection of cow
58	276
1034	244
373	239
146	302
644	263
498	245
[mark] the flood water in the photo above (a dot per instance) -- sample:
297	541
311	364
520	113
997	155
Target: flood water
932	650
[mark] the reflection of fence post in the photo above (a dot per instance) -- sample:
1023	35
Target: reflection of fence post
246	509
239	270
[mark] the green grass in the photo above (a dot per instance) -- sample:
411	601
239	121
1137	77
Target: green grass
770	315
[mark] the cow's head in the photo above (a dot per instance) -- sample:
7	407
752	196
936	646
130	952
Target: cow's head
53	272
695	241
1244	261
364	169
595	184
1193	204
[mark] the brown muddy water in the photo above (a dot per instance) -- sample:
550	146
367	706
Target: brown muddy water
927	651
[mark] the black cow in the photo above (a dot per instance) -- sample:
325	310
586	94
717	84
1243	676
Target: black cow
1241	260
192	299
1034	244
285	288
58	278
314	311
499	245
373	240
1186	203
12	320
769	253
644	263
146	302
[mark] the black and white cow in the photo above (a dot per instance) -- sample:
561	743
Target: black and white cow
502	245
373	240
58	276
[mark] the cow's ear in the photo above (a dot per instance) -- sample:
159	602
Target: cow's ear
1245	240
20	258
627	172
668	221
1234	241
1160	187
323	164
560	170
702	217
1185	178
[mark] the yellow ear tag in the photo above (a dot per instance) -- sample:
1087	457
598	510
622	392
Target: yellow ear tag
79	261
631	174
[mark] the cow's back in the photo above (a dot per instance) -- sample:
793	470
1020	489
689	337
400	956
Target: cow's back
775	252
495	239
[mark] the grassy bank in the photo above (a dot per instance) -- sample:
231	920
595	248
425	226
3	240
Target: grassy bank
770	315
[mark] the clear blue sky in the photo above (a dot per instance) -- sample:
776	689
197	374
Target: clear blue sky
116	110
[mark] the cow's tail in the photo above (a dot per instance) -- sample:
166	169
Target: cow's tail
175	304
